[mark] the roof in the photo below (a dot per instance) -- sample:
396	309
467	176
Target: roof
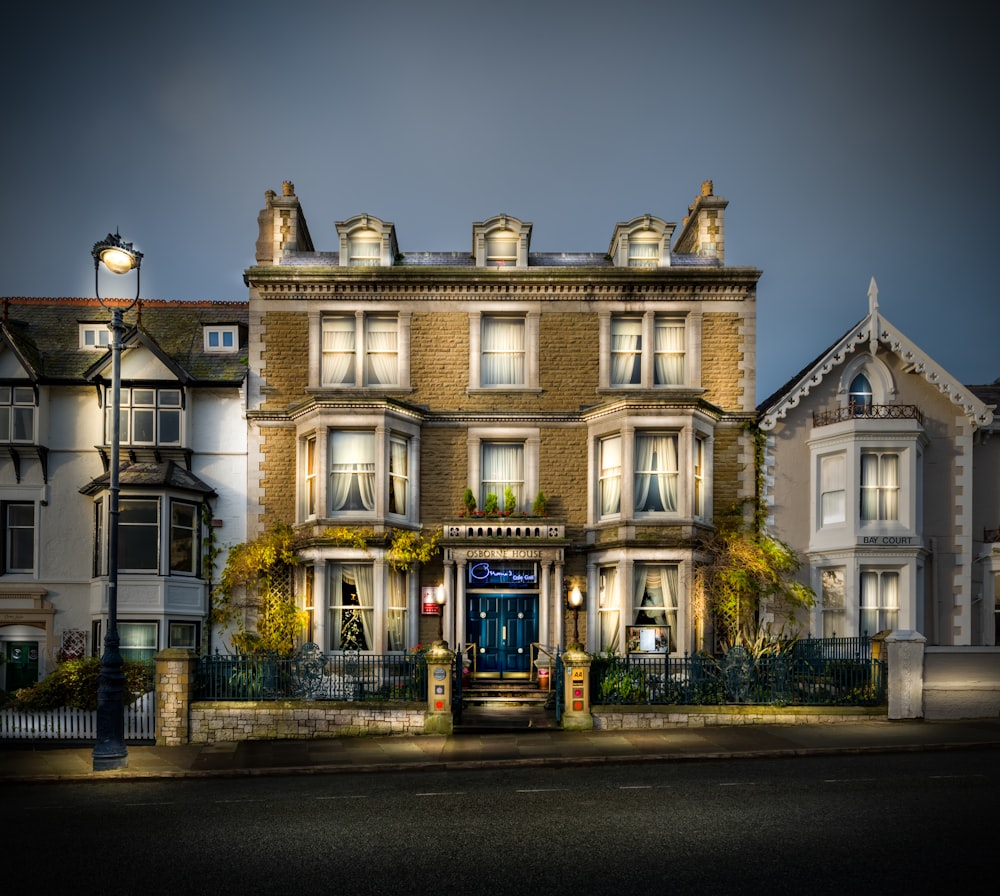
467	260
45	336
165	474
870	331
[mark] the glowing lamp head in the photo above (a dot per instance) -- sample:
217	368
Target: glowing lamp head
575	597
439	596
117	256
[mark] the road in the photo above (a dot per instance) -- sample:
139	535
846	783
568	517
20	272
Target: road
887	823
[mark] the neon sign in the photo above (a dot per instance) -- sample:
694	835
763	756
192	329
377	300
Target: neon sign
510	575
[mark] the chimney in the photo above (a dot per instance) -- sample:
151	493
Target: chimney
704	228
281	226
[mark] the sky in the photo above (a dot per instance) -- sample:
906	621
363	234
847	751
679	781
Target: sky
852	139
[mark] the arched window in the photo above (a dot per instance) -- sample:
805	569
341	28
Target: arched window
861	395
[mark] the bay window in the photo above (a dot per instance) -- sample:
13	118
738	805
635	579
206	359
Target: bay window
396	615
656	473
655	597
879	486
610	475
833	494
399	479
879	600
352	471
609	608
139	535
185	528
352	606
832	591
137	640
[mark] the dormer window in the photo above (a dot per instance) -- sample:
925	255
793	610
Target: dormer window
221	338
644	253
643	242
501	242
95	336
367	241
501	248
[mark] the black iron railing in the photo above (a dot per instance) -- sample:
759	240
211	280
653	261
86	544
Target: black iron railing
868	412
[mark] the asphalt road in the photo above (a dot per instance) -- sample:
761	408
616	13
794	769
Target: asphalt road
895	823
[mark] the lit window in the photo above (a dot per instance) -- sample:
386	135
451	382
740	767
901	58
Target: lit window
643	253
148	416
396	616
221	339
137	640
609	608
309	463
501	248
611	475
18	519
656	473
833	494
502	470
668	353
655	597
352	472
352	606
95	336
879	486
626	351
338	351
699	477
365	249
503	351
17	414
879	601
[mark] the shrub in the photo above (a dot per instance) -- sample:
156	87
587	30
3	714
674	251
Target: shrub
74	684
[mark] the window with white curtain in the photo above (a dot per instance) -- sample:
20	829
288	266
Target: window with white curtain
502	468
668	357
399	474
501	248
396	626
879	486
309	475
611	475
137	640
374	347
656	473
832	602
700	459
609	608
832	488
503	351
655	597
643	254
626	351
633	337
352	606
879	601
365	248
352	472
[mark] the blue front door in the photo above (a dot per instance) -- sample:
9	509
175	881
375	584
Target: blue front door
503	628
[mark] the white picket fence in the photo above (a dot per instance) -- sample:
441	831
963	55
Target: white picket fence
76	724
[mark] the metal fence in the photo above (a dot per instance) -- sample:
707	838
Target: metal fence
309	674
811	672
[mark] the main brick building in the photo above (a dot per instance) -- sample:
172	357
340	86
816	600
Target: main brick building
611	387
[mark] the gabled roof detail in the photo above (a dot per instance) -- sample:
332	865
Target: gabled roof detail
872	331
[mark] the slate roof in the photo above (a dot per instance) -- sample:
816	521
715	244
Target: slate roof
45	335
154	476
467	260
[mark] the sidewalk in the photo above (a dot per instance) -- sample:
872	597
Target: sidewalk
540	747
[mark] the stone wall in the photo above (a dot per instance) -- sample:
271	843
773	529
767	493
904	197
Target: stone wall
222	722
628	717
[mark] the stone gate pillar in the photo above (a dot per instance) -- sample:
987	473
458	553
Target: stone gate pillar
175	680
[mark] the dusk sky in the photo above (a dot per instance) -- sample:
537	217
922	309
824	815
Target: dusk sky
851	139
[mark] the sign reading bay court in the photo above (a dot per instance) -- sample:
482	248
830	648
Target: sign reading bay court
887	540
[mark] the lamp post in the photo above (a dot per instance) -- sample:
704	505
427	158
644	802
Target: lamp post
439	599
575	600
110	753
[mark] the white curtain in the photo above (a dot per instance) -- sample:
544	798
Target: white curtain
352	476
609	611
502	469
611	475
380	336
655	598
398	473
626	343
656	469
832	489
338	351
879	601
669	354
879	486
396	618
361	577
643	255
502	352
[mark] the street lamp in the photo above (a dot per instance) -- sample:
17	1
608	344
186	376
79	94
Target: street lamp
575	600
110	753
439	599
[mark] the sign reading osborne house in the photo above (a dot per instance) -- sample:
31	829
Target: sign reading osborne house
598	401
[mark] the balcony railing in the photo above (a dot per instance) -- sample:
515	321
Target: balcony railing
868	412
